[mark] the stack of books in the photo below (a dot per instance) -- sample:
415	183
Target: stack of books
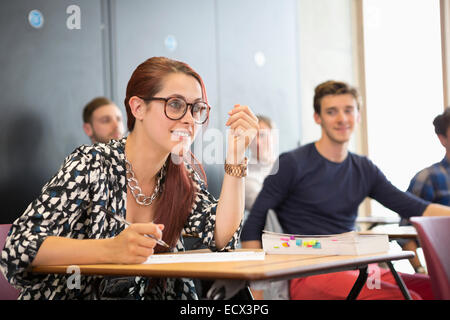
349	243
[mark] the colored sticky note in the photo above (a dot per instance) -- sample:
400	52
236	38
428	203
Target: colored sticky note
285	244
298	242
317	245
284	239
292	238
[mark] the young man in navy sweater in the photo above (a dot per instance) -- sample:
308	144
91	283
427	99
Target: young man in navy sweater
317	190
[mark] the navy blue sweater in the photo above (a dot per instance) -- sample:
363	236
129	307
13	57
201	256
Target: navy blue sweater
312	195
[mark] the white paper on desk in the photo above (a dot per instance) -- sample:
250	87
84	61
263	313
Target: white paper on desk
206	257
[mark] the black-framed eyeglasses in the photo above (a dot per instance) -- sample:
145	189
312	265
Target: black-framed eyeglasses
176	107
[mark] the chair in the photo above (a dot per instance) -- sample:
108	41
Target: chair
7	292
434	238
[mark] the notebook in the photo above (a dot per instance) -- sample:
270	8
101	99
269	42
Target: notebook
205	257
349	243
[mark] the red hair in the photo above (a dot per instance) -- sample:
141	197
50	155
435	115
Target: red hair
176	200
147	80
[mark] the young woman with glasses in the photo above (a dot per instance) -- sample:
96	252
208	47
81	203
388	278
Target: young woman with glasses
145	180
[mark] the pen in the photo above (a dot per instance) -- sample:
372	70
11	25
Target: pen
120	219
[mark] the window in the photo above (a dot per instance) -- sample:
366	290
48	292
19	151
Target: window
404	87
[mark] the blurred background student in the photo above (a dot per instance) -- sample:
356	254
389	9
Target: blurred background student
262	159
102	120
432	183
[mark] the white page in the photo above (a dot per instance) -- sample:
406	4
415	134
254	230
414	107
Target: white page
206	257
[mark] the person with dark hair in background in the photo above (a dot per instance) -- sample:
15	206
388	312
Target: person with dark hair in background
318	189
146	178
102	120
432	183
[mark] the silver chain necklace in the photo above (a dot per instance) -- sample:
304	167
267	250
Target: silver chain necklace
136	191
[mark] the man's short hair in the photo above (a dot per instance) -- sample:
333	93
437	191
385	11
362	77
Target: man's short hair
332	87
442	122
93	105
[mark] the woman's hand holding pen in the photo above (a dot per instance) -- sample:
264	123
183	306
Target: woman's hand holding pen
244	127
132	246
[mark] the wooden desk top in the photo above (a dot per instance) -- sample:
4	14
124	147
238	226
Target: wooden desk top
406	232
378	220
273	267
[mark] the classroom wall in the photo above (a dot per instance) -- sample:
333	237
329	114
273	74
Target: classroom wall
46	76
246	51
325	39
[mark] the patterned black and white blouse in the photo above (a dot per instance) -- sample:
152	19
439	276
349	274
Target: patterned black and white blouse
90	178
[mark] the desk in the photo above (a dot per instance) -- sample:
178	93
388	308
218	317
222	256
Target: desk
374	221
273	267
396	232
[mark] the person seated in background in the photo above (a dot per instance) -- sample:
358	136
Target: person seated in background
262	159
317	191
432	183
102	120
147	178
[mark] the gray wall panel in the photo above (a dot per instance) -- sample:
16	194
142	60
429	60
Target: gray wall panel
48	74
267	26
